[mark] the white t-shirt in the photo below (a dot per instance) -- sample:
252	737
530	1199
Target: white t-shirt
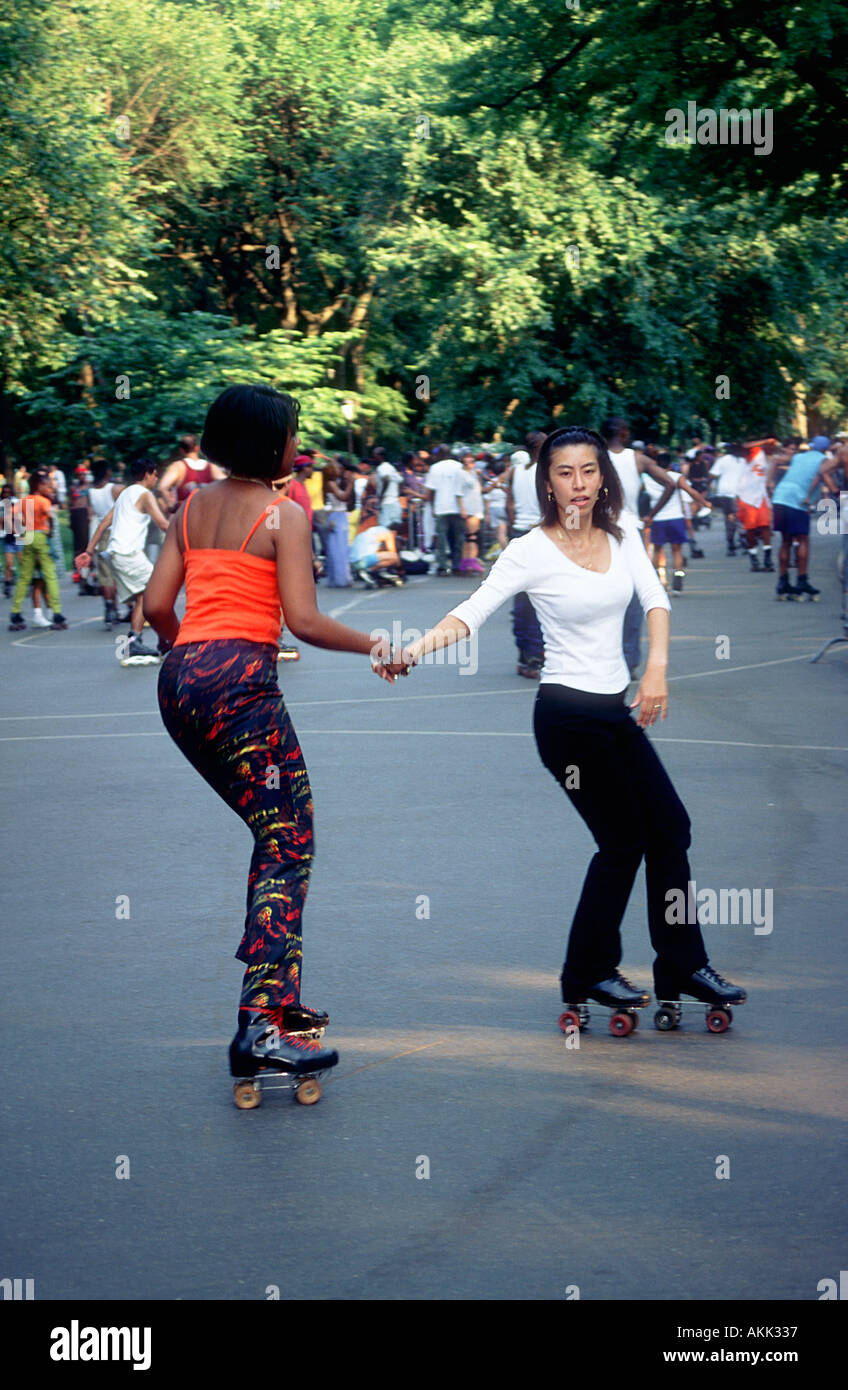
624	463
673	508
725	470
391	481
751	483
581	612
359	485
472	494
129	525
524	496
445	478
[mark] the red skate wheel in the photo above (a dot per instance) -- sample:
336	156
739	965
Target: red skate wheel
620	1025
717	1021
569	1019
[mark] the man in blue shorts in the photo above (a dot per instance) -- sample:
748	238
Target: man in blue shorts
791	518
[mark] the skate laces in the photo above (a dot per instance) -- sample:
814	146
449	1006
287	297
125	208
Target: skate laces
715	978
617	975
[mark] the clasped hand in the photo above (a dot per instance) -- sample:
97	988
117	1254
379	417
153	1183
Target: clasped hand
388	664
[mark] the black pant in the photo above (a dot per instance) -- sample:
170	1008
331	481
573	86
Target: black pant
608	768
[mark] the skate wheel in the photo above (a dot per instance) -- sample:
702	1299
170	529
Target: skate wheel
569	1019
620	1025
308	1092
247	1095
729	1013
664	1020
718	1021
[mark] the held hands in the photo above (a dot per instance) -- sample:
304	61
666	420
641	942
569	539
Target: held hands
652	698
388	663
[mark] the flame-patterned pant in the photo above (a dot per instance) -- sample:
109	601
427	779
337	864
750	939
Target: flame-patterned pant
221	704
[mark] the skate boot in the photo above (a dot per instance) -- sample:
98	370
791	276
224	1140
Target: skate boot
38	618
677	581
261	1049
784	589
16	623
706	986
755	564
616	994
59	623
139	655
768	563
695	553
530	666
297	1018
804	589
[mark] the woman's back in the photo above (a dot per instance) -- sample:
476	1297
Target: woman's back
221	516
231	583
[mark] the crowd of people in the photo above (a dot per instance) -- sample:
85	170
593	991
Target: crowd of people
444	511
577	524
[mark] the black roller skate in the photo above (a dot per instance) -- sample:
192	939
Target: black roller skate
616	994
784	589
288	1060
755	563
768	563
310	1023
805	590
706	986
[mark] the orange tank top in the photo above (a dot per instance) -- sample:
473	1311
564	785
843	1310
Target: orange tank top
228	592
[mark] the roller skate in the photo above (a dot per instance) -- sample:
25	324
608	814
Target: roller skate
616	994
755	563
707	987
677	581
529	666
785	590
805	590
768	563
16	623
262	1051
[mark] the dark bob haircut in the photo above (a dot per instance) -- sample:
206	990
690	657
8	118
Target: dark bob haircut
140	467
247	429
607	509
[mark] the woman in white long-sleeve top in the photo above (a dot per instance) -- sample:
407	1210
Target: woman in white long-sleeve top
580	567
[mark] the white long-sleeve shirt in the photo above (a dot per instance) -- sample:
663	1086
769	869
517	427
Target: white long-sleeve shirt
581	612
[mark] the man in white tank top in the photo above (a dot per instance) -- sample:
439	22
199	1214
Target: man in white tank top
102	496
630	464
129	518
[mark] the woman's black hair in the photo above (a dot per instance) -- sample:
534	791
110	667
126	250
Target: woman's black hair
247	429
607	508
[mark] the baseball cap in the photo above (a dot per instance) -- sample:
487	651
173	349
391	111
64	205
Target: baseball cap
302	461
638	444
821	442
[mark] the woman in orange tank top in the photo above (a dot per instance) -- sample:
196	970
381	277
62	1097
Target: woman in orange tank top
243	551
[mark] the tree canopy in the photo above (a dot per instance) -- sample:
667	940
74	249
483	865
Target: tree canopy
466	217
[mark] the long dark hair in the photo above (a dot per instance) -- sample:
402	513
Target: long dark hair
607	508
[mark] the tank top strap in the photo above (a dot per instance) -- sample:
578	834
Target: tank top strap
261	515
185	521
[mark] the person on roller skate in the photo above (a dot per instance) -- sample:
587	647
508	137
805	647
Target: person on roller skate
222	706
580	566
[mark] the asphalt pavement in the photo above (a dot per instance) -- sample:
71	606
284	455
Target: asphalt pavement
462	1150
